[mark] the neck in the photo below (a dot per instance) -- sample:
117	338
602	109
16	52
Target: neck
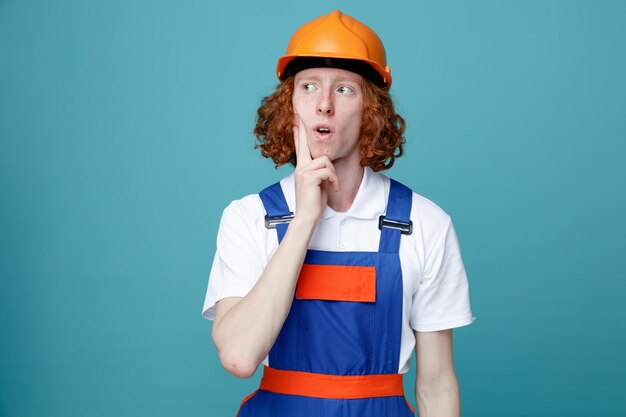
350	176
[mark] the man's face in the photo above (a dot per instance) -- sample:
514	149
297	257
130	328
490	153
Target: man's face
329	104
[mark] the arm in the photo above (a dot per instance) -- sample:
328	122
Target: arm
245	328
436	386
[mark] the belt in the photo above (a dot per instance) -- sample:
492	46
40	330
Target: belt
309	384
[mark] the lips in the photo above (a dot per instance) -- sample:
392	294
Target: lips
323	131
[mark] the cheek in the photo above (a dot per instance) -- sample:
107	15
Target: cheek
357	118
356	111
300	102
295	107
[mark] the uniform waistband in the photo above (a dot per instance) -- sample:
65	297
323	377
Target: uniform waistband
316	385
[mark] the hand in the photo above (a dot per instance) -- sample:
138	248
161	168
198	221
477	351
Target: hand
312	176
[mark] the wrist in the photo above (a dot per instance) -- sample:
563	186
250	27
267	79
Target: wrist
303	222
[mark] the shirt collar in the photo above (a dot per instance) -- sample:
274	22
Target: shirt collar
369	203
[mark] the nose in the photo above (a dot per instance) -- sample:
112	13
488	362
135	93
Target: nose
325	106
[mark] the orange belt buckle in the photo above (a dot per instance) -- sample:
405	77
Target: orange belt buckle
343	387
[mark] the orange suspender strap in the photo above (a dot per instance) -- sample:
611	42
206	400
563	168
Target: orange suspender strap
331	386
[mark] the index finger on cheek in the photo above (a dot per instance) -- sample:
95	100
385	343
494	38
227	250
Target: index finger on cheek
303	154
295	139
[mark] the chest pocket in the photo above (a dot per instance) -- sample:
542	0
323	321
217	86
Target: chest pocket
337	283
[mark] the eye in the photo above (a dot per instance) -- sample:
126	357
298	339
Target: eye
308	87
345	90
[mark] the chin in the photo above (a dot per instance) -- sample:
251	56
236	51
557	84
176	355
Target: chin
316	153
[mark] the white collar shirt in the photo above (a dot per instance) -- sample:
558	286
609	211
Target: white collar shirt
435	286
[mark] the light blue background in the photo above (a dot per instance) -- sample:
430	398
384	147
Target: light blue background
125	129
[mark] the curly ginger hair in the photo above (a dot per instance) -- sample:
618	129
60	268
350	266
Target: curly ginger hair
382	129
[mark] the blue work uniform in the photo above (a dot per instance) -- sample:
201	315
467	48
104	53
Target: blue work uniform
338	338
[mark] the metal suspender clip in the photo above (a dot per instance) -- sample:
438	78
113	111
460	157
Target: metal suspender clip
271	222
405	228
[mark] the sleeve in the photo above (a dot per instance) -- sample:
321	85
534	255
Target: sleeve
442	297
238	260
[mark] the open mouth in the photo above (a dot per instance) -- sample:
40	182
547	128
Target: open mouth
323	131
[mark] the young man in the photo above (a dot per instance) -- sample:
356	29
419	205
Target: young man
333	275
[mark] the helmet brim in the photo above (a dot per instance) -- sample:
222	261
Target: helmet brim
371	70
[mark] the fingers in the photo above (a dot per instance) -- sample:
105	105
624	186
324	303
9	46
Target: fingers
320	169
312	176
326	174
306	161
334	182
324	162
303	153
